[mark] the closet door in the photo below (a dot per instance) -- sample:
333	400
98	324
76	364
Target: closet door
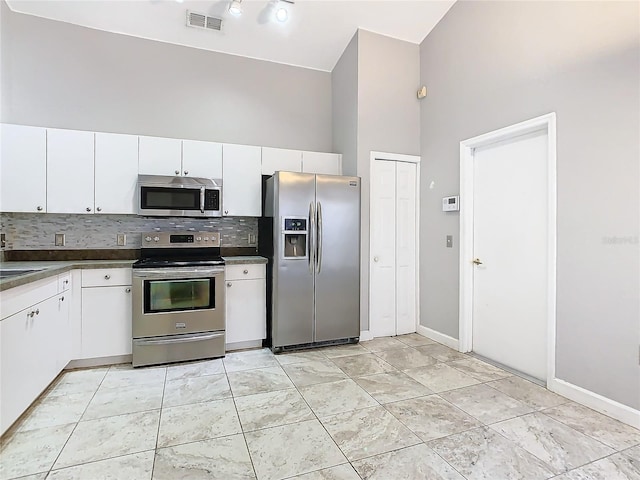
392	288
382	264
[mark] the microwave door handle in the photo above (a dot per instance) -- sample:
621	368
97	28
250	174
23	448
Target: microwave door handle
202	190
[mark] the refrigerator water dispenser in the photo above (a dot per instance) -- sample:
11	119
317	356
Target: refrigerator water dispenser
295	237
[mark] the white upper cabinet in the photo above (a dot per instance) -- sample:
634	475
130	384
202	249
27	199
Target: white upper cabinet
116	173
241	180
201	159
324	163
280	159
70	171
160	156
24	157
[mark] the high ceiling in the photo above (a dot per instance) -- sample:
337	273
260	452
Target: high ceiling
315	35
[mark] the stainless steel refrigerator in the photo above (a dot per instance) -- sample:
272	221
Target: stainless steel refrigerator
316	259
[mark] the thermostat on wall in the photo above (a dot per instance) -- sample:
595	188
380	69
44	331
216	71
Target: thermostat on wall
451	204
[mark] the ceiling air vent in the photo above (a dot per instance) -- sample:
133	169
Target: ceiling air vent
200	20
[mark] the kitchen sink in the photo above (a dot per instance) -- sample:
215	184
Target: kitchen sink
14	272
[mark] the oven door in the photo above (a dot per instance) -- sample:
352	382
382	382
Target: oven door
169	301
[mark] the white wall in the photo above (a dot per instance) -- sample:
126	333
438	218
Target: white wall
344	95
57	74
492	64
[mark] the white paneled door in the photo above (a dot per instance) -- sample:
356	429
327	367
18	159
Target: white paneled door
392	290
510	234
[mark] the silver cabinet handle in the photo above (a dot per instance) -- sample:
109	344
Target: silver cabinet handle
226	212
245	271
99	209
310	235
477	261
88	209
128	290
229	284
62	298
186	172
37	311
39	208
66	282
107	277
31	314
177	172
319	261
375	259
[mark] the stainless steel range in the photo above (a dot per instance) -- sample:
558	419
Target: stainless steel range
178	298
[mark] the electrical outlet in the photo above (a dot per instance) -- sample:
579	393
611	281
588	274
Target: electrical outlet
59	242
449	241
252	239
121	239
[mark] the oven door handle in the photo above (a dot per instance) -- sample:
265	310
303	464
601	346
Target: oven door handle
168	274
185	339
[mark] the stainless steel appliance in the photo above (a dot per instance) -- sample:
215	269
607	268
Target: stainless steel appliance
315	288
178	298
179	196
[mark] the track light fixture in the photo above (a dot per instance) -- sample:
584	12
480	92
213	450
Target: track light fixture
235	8
282	10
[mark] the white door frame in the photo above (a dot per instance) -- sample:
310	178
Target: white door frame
398	157
543	123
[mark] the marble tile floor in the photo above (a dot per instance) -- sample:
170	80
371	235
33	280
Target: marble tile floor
388	409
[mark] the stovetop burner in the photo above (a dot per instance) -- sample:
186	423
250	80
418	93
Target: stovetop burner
172	262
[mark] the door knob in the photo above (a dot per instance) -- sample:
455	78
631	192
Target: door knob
477	261
177	172
186	172
99	209
39	208
375	259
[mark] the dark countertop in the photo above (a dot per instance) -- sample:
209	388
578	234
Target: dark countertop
244	260
50	269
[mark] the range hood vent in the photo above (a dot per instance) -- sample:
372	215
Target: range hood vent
200	20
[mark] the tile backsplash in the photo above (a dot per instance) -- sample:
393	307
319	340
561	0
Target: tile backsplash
36	231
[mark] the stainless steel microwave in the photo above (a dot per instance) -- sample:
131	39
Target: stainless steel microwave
169	196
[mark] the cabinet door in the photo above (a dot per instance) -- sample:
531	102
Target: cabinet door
19	387
23	183
280	160
323	163
106	331
201	159
241	181
70	171
116	168
62	331
159	156
246	315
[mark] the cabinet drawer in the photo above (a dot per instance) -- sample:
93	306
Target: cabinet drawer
245	272
105	277
64	282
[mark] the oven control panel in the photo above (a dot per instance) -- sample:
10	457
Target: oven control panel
180	239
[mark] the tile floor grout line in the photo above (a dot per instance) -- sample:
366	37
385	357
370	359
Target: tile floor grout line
76	424
242	431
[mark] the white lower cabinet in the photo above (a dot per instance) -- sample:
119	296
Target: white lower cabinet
245	303
33	353
106	313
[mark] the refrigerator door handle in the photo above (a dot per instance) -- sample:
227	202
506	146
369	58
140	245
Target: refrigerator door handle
310	236
319	240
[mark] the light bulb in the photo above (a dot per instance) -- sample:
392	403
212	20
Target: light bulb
282	14
235	8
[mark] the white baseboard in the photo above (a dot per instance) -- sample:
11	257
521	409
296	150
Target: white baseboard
439	337
243	345
365	336
98	362
596	402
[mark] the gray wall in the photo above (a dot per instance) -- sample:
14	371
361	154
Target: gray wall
344	88
388	119
57	74
491	64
